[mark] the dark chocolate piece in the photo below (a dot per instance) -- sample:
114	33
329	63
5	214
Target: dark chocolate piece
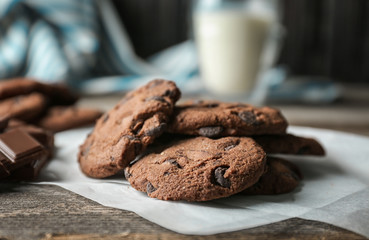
16	144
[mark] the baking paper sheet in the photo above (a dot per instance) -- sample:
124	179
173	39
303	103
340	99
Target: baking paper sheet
335	190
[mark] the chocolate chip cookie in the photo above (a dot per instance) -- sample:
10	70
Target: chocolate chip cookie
198	169
290	144
125	131
60	118
24	107
216	119
58	94
281	176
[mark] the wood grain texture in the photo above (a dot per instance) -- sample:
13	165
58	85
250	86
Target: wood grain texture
50	212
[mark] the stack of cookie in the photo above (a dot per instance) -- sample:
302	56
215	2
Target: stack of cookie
50	106
34	111
195	151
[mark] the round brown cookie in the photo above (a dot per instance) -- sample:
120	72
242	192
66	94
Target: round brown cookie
24	107
60	118
290	144
125	131
58	94
281	176
216	119
198	169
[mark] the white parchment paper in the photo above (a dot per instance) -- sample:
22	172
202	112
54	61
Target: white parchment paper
335	190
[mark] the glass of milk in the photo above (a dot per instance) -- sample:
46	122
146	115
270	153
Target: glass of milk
236	42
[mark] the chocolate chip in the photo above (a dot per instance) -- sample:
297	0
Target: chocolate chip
150	188
105	117
211	131
169	93
232	144
127	174
156	131
248	117
112	158
173	162
229	147
219	177
156	98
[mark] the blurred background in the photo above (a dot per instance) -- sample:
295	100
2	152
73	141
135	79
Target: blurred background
104	47
324	37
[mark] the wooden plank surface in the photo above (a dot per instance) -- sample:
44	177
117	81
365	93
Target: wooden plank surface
50	212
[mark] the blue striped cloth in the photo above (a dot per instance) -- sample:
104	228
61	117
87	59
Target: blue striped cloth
82	43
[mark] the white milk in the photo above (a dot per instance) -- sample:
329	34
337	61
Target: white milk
230	45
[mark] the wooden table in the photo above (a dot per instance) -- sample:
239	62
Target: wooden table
49	212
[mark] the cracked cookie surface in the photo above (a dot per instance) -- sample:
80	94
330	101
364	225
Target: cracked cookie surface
217	119
125	131
198	169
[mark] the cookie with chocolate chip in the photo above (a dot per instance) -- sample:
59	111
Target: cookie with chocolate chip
125	131
198	169
57	94
217	119
60	118
24	107
281	176
290	144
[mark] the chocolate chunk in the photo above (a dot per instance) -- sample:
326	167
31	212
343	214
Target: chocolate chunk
229	145
219	177
156	131
150	188
211	131
248	117
16	144
173	162
169	93
112	158
156	98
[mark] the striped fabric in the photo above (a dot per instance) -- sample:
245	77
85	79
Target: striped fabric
83	44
